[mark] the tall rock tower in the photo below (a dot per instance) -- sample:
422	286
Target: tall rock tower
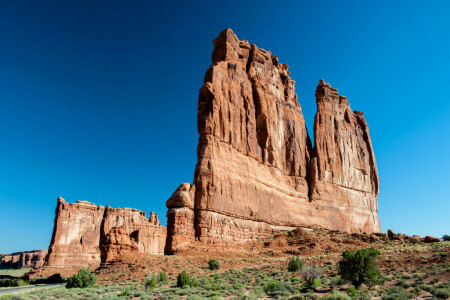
254	174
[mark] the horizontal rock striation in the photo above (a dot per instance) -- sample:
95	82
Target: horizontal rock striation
84	235
256	171
25	259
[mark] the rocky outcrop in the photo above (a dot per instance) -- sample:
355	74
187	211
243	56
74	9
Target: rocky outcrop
25	259
256	171
84	234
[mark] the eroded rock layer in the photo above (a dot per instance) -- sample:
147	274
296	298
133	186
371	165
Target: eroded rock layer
85	234
253	175
25	259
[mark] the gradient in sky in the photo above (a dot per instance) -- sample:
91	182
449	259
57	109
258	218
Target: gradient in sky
98	99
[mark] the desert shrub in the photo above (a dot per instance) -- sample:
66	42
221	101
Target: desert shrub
425	287
351	290
151	282
274	286
125	292
183	279
162	277
441	293
337	296
396	293
446	237
360	266
295	264
214	264
310	275
12	282
85	278
194	283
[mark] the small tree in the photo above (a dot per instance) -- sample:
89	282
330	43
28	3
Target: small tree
359	267
183	279
295	264
446	237
214	264
84	278
310	275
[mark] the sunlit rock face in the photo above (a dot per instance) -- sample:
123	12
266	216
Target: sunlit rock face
344	177
85	234
256	171
24	259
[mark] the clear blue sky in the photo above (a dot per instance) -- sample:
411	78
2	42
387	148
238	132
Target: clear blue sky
98	99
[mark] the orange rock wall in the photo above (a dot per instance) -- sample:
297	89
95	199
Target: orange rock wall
256	171
84	234
26	259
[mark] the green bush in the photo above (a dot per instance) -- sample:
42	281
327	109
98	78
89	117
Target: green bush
360	267
446	237
310	275
441	293
85	278
12	282
214	264
274	286
397	293
151	282
337	296
295	264
162	277
183	279
125	292
351	290
194	283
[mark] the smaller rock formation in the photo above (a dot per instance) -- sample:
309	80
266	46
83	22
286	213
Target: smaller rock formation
431	239
180	218
25	259
84	235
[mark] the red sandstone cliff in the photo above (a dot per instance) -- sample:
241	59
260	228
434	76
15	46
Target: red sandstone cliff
85	234
254	175
25	259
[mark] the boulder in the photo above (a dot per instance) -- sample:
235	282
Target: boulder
431	239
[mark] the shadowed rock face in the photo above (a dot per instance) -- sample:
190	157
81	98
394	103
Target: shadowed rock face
25	259
254	174
86	235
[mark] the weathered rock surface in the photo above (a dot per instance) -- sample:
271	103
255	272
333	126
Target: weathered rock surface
25	259
254	174
344	177
85	234
431	239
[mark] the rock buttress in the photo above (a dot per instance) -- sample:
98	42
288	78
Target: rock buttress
84	235
344	177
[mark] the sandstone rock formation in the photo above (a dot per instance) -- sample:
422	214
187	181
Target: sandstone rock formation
343	169
25	259
84	234
256	171
431	239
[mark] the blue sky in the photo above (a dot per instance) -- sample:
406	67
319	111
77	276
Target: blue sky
98	99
